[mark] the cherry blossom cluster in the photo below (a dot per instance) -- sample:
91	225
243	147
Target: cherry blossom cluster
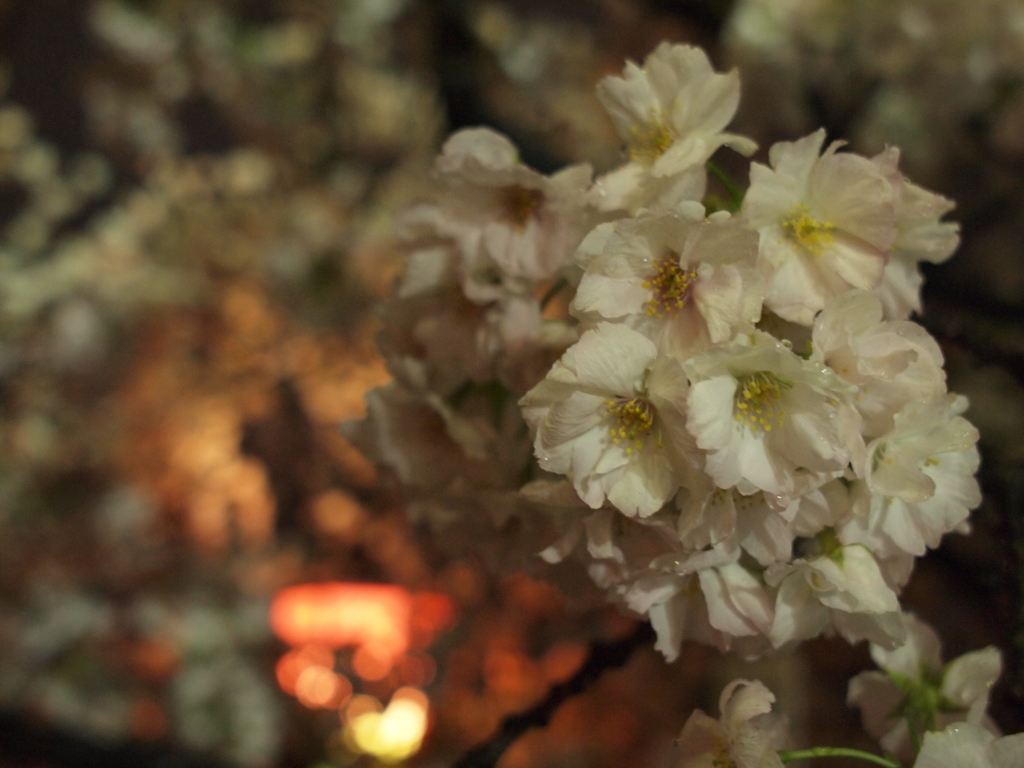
924	714
729	417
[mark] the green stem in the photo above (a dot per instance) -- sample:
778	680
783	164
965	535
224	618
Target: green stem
803	754
735	193
553	291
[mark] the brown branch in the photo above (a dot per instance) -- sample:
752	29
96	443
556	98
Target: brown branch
602	656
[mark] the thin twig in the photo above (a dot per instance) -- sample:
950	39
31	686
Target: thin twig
602	656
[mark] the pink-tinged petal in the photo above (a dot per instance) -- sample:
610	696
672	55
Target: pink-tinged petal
570	418
959	746
475	149
921	653
857	262
770	197
742	700
700	742
848	191
721	610
1006	752
797	289
710	409
629	99
613	359
684	154
798	616
970	677
618	190
719	297
900	289
896	474
611	297
646	485
877	698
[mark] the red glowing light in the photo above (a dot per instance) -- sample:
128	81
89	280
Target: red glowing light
371	616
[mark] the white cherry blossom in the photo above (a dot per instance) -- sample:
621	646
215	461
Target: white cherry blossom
747	734
670	113
841	588
511	221
920	477
891	363
922	237
916	691
826	222
967	746
684	281
610	414
769	420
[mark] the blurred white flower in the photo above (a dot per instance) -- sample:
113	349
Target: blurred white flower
916	693
967	746
510	220
747	734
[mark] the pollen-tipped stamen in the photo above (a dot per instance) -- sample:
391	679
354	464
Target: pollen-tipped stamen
759	401
812	234
670	288
649	142
634	418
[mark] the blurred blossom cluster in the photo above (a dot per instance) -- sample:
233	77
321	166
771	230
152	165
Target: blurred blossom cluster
917	73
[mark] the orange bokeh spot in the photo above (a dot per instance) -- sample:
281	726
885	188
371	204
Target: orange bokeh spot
320	688
294	663
370	665
373	616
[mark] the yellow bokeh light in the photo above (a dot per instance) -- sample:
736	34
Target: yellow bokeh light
394	734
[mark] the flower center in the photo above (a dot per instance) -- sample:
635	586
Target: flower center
759	401
521	204
649	141
634	418
720	754
812	234
671	287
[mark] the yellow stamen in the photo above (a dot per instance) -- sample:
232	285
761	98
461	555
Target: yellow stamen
721	757
633	419
649	142
759	400
812	234
671	287
521	204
